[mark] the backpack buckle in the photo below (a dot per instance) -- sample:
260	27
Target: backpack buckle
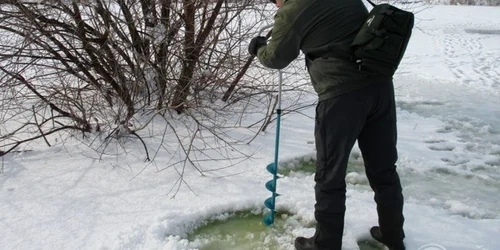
359	62
379	33
389	12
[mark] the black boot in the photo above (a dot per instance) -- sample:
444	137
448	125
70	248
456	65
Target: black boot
325	238
302	243
377	234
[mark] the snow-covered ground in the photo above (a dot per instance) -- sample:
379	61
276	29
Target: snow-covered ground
448	93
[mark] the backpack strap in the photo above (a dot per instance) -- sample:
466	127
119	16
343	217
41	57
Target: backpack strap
372	3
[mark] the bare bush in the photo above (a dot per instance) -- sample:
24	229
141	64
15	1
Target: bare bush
115	67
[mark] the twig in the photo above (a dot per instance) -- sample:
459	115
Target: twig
268	119
3	162
241	74
16	144
39	128
144	144
270	116
19	77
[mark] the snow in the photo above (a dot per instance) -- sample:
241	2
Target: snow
448	88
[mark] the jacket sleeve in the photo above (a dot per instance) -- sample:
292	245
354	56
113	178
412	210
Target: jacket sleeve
284	45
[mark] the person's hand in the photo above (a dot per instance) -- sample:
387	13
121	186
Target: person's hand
255	44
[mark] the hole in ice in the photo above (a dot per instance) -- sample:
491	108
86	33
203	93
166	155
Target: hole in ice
297	165
308	165
355	169
246	231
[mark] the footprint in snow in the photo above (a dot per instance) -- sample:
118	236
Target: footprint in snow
434	140
447	129
441	148
493	163
455	162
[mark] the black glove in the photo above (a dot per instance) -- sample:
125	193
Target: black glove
255	44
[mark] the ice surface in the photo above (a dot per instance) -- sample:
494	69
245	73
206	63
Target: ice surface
70	197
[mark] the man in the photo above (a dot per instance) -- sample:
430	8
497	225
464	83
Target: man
354	104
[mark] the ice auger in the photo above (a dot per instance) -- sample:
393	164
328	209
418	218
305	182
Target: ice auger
272	168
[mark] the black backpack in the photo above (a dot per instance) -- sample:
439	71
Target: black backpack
381	42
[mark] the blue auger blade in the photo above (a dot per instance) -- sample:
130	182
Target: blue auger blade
271	185
270	203
271	168
268	219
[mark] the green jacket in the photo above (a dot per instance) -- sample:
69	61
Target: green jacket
323	30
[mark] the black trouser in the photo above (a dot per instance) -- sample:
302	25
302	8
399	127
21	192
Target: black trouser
368	115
